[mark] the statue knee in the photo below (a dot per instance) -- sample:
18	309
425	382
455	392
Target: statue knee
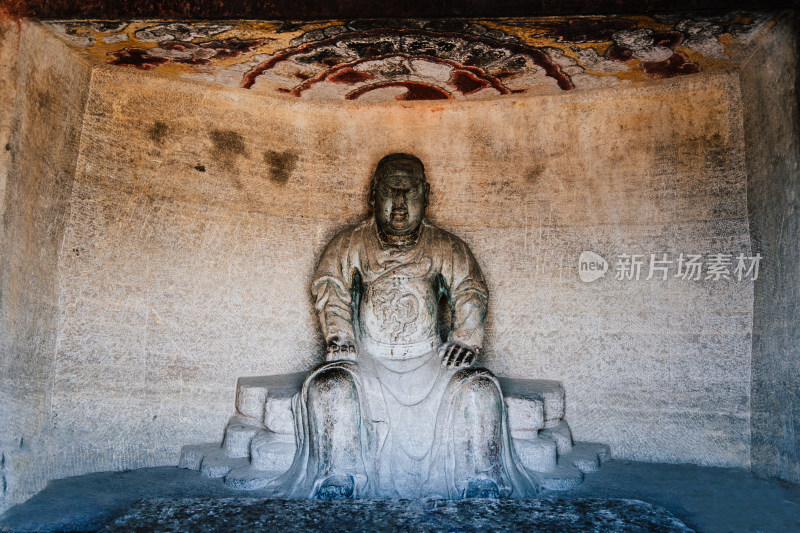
478	391
332	385
477	382
483	387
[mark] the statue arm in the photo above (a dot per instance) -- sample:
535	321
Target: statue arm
468	296
332	292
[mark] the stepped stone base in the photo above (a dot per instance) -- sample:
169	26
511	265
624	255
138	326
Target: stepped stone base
259	443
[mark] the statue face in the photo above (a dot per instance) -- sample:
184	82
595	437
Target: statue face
400	197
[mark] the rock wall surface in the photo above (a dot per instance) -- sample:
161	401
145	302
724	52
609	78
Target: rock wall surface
770	90
196	220
44	88
171	251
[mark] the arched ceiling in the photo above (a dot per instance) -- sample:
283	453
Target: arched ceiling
423	59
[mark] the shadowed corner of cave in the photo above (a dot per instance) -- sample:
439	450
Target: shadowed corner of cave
320	9
160	235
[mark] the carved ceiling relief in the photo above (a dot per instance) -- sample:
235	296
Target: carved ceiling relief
384	60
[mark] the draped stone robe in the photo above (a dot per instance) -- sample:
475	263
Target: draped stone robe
405	425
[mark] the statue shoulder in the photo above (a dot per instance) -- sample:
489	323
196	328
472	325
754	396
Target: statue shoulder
348	235
439	235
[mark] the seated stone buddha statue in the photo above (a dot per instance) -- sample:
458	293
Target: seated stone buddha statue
398	410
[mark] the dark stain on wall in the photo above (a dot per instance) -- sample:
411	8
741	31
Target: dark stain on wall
45	100
237	183
157	131
227	143
281	165
534	173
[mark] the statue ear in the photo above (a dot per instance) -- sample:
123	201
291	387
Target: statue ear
427	193
372	186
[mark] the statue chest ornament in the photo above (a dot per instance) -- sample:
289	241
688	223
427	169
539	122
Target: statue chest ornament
397	309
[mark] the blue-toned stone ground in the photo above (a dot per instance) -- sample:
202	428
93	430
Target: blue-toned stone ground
705	499
473	515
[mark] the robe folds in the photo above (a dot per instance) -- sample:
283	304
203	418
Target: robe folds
393	418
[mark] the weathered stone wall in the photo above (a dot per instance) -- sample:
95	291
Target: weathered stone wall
43	88
772	127
8	51
176	254
196	220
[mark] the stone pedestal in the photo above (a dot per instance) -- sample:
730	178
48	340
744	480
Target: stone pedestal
259	443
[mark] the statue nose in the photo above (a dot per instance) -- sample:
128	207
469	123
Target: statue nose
400	199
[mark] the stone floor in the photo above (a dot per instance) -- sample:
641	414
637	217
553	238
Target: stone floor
576	515
705	499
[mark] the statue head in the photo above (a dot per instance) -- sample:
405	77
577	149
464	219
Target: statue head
399	195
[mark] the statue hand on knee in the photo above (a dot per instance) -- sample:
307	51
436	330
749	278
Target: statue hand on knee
456	354
340	348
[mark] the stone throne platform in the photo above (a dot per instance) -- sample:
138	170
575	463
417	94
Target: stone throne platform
259	442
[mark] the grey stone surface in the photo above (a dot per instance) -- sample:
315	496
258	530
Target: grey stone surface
525	416
524	401
275	395
565	476
238	437
167	282
218	464
712	500
524	398
43	91
278	414
272	451
770	93
539	455
402	307
632	354
250	478
548	453
559	432
250	398
192	455
532	404
588	456
580	515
